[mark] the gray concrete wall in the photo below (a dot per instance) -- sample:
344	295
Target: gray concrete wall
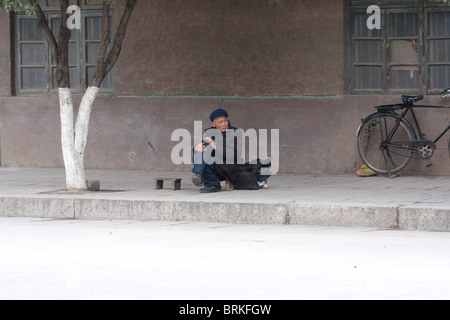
317	135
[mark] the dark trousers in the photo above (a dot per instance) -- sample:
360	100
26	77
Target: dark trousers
212	174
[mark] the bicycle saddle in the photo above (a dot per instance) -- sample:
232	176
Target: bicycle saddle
412	98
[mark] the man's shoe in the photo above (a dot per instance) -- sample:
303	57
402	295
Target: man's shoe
263	184
211	189
197	179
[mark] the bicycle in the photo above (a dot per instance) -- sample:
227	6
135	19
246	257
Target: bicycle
387	141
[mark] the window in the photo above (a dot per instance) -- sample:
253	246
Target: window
35	66
409	54
439	50
368	57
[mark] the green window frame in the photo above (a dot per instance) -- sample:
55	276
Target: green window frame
410	53
35	67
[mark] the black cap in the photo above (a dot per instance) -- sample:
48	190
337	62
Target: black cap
218	113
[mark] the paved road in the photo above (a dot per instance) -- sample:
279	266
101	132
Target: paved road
122	259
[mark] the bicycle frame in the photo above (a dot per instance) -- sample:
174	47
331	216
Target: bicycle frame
410	108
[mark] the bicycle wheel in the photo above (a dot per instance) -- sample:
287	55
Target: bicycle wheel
380	143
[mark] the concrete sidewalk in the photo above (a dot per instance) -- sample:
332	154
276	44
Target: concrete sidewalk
408	202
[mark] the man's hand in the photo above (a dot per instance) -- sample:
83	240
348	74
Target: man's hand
210	141
201	146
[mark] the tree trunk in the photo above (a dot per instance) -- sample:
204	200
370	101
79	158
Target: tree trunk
75	177
82	124
74	137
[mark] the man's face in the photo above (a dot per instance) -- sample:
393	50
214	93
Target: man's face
220	123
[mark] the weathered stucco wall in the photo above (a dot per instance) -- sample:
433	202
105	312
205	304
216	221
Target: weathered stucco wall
233	47
5	74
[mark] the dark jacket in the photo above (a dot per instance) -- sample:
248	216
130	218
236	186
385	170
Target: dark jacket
226	146
242	175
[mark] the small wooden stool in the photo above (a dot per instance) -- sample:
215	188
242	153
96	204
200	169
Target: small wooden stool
176	183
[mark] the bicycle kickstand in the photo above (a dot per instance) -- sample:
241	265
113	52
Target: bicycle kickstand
391	175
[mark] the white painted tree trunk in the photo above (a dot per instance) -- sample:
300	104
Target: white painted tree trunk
74	137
